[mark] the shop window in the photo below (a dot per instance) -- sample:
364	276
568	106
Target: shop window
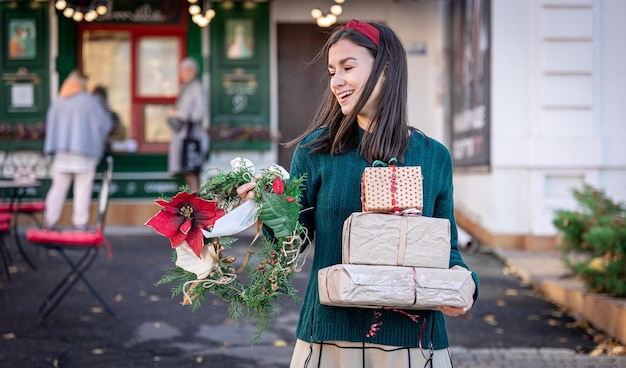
157	78
156	129
107	62
139	69
158	61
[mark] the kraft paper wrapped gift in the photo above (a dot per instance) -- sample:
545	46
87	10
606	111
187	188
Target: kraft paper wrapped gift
386	239
391	188
367	286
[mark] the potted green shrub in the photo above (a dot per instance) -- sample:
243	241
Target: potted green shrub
593	241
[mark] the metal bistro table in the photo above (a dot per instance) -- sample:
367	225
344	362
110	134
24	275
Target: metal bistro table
18	189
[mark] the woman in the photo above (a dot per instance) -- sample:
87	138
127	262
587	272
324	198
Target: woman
188	115
362	119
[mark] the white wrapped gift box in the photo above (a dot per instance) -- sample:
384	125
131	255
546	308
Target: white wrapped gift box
386	239
373	286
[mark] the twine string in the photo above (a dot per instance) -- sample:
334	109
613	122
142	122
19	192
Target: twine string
225	279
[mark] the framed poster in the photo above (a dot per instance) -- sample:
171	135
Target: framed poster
469	80
22	39
239	39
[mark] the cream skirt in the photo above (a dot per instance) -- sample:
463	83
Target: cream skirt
341	354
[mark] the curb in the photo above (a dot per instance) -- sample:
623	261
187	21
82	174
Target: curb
546	273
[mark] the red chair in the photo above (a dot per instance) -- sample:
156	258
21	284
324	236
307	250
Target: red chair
12	211
89	243
5	228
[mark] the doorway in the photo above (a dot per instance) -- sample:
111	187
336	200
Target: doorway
300	82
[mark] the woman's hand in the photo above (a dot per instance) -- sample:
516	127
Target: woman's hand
246	191
454	311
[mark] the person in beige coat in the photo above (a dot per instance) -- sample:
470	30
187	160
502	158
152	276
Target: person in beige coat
189	113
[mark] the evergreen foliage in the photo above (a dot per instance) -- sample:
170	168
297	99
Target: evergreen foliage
254	292
593	241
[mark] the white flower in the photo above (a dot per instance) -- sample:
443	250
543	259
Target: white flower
242	164
188	261
277	170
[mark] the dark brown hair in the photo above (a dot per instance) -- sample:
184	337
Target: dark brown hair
389	131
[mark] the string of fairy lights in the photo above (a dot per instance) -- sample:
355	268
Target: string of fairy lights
201	11
89	13
327	19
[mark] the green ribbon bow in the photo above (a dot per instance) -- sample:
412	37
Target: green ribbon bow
379	163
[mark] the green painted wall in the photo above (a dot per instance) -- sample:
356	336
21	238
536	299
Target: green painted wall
240	88
24	65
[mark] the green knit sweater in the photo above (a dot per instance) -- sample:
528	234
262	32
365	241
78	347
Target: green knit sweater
332	193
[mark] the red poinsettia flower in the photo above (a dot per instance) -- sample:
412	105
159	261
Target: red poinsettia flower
183	218
278	186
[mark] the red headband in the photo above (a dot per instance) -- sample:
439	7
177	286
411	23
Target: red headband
366	29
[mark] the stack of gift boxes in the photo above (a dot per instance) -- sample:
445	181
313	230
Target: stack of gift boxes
391	255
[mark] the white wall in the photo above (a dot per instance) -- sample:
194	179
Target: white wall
557	88
419	25
611	96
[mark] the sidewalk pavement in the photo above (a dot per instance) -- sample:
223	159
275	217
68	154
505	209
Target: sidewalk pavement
153	330
544	271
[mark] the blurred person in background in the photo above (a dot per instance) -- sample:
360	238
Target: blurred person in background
100	92
186	121
77	127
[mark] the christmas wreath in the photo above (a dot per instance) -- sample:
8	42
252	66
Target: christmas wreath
200	228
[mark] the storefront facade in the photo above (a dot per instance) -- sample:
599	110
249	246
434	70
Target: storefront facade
525	101
133	51
258	98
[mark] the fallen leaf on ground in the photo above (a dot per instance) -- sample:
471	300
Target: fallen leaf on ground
533	317
96	310
501	303
553	322
511	292
97	351
599	338
596	352
618	350
8	336
556	313
280	343
490	319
